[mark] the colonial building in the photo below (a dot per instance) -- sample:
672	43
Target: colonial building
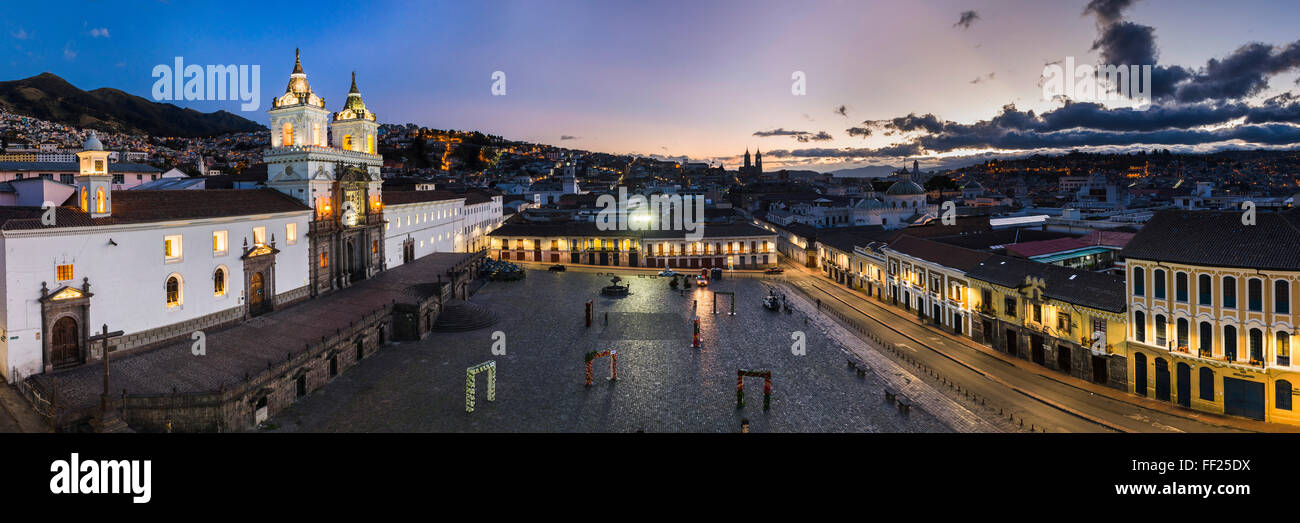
727	245
1064	319
338	180
1212	324
930	278
155	264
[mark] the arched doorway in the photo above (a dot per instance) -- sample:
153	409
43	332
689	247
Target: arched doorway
1184	384
1140	374
1162	379
256	295
65	343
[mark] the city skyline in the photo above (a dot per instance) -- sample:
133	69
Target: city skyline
709	81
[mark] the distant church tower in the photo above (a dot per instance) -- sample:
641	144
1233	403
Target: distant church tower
94	184
354	128
758	162
747	166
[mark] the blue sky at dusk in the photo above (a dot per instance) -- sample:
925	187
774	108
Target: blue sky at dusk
701	78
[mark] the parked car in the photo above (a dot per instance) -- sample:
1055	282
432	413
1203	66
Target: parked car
559	267
774	270
667	272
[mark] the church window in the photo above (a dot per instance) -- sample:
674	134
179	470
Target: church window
374	246
99	166
100	203
172	248
220	243
315	133
85	207
287	134
347	142
173	291
324	260
291	233
370	143
63	272
259	235
219	282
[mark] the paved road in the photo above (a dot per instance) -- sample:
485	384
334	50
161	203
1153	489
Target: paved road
1046	403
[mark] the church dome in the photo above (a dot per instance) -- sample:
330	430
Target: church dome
298	91
868	203
354	107
904	188
92	143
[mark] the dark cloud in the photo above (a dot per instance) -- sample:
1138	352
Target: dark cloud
802	136
842	110
1243	73
1107	11
982	79
858	131
567	137
966	19
820	136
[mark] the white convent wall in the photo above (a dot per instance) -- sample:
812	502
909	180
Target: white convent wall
128	279
432	226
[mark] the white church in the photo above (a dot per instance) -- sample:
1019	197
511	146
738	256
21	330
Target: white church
160	264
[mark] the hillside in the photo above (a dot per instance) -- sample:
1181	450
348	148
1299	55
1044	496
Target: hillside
49	97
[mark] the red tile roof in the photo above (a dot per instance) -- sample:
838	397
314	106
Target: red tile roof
158	206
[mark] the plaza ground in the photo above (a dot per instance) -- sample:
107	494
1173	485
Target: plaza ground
664	385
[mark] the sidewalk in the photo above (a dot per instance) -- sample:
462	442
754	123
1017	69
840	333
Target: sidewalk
1101	390
17	414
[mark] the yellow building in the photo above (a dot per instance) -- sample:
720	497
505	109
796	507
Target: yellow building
1069	320
1211	312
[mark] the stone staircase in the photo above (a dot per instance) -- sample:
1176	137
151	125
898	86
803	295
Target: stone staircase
460	316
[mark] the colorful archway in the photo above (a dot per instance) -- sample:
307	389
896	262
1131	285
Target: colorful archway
741	374
613	364
491	367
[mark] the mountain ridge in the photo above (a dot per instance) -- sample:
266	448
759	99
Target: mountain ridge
49	97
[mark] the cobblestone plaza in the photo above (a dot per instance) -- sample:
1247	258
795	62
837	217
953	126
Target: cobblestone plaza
664	384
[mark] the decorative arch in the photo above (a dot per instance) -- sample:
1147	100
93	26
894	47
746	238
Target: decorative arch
491	367
286	134
100	203
612	354
85	197
741	374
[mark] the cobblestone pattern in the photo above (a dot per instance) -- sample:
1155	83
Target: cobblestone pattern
664	385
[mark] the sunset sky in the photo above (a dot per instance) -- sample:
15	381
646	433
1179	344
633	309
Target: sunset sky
699	79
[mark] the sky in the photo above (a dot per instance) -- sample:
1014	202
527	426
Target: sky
882	81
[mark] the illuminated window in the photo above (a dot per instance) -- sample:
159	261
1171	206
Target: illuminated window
315	133
85	207
173	291
99	166
172	248
63	272
219	243
219	282
324	260
291	233
259	235
370	143
100	202
347	142
287	134
374	246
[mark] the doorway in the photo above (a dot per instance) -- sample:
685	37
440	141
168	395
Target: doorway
256	295
65	343
1162	379
1063	358
1184	384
